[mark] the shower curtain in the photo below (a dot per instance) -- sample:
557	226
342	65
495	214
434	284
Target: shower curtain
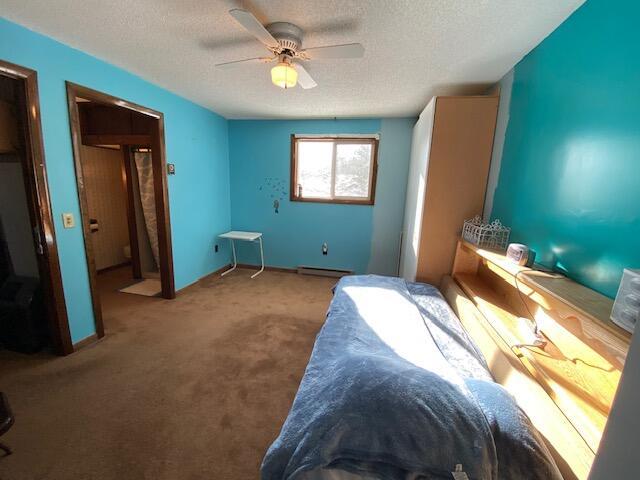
145	181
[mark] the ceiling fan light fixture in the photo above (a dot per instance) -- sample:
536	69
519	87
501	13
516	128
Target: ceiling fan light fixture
284	41
284	75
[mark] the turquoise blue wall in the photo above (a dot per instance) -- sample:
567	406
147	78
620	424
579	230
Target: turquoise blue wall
569	184
360	238
196	141
202	145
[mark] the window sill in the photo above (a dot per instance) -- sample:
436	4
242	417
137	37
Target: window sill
337	201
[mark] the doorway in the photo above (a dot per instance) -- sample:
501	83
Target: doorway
32	307
120	164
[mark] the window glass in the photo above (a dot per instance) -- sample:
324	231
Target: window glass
339	170
353	169
315	161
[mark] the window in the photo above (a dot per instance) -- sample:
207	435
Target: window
333	170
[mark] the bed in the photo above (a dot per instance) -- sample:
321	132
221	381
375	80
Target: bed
396	389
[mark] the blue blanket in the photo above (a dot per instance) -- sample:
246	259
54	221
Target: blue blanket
395	389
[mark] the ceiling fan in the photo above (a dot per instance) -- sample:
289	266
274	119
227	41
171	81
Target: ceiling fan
284	41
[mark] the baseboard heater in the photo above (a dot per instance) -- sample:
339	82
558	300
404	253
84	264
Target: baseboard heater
323	272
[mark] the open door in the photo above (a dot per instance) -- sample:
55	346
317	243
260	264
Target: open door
29	164
99	120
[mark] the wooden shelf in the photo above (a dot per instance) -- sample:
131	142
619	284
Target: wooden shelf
583	391
573	295
580	366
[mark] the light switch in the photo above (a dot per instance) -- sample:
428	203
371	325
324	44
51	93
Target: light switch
68	221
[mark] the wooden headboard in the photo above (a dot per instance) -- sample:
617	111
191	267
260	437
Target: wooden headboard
566	387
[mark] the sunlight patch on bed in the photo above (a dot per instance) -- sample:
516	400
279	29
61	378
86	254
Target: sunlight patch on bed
398	323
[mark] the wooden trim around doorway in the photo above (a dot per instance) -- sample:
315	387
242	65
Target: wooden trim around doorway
158	160
136	268
49	261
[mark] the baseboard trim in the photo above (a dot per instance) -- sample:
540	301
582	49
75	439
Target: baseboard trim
240	265
215	272
323	272
114	267
268	268
218	271
85	342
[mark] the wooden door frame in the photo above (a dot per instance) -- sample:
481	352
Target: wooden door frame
40	209
132	224
160	184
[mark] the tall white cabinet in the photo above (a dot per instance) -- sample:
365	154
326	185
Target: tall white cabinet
450	158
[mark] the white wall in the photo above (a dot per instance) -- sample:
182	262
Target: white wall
416	185
502	121
15	219
393	169
619	451
107	202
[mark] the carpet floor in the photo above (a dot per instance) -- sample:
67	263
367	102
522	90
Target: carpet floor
191	388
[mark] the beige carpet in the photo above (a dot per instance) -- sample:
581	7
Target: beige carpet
194	388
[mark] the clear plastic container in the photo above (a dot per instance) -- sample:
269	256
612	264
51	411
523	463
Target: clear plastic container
626	308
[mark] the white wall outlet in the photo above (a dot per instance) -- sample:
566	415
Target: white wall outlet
68	221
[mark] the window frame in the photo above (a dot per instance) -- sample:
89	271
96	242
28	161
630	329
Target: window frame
373	140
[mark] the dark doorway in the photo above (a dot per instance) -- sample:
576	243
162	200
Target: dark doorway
120	165
32	307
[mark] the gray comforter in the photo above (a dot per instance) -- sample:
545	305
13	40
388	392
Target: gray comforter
395	389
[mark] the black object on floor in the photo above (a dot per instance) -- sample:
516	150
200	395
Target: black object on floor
6	420
23	321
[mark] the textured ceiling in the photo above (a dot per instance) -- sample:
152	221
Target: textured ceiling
414	48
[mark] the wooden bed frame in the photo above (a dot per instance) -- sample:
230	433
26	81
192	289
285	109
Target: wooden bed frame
566	387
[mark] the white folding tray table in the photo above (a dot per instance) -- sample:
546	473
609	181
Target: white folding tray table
234	235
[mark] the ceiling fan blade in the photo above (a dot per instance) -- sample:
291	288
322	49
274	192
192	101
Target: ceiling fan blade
349	50
254	27
236	63
304	79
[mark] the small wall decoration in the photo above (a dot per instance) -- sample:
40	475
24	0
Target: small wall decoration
276	189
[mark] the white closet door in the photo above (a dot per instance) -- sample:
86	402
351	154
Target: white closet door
416	187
